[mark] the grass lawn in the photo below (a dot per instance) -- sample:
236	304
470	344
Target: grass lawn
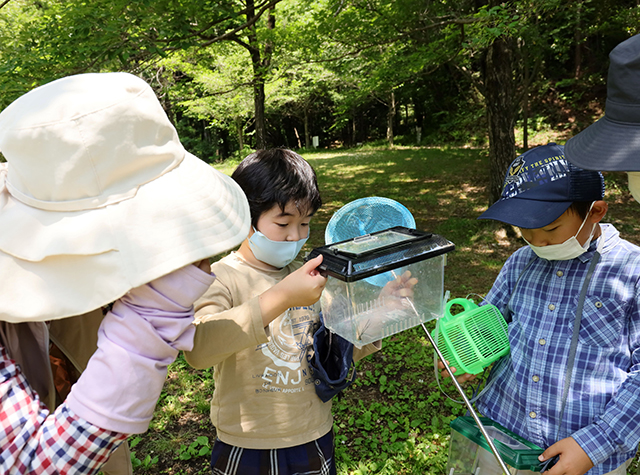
394	419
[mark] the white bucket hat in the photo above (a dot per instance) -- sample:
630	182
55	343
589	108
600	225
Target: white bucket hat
98	196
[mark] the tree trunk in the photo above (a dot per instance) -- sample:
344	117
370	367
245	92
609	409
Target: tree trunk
307	134
258	104
578	42
260	63
525	107
418	114
499	97
391	115
354	135
297	137
240	131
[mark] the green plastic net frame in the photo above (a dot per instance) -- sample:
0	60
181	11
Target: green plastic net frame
473	339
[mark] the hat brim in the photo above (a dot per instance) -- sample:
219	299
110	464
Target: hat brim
524	213
606	145
60	264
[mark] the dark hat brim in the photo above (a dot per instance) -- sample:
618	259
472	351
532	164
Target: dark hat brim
525	213
606	145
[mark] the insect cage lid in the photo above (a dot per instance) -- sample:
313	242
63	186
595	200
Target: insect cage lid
382	251
516	451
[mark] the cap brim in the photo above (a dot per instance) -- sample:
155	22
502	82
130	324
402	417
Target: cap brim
606	145
59	264
527	214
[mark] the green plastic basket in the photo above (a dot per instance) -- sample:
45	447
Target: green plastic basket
472	339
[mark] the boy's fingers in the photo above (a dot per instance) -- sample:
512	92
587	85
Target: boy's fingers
311	268
452	368
445	374
551	451
203	265
315	262
312	265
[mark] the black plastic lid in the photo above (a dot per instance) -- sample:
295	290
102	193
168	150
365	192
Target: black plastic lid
379	252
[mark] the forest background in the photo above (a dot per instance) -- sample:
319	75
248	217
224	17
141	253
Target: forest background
426	102
243	74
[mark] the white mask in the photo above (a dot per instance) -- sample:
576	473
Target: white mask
634	184
275	253
570	249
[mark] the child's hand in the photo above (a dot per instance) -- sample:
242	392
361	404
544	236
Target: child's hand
305	285
400	287
463	378
203	265
573	460
300	288
398	292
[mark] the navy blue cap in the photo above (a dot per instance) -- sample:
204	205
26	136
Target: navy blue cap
541	185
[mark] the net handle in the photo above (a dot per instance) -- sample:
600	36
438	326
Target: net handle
461	392
464	303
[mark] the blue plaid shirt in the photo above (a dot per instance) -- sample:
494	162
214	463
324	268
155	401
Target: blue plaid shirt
602	411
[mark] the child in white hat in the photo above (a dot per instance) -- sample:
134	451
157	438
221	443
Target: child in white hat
99	202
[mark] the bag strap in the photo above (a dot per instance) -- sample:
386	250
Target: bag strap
547	464
507	306
576	330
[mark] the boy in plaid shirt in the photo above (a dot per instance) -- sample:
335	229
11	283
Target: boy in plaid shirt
573	390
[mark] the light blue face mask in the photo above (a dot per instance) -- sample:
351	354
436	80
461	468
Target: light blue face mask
275	253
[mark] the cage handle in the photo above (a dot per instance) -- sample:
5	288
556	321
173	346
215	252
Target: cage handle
464	303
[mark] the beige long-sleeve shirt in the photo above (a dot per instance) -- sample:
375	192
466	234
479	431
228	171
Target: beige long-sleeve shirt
264	393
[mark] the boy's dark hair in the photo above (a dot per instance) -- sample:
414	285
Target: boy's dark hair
581	208
277	176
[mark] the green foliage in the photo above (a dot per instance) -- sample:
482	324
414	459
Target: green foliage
399	429
145	463
334	64
198	448
188	393
46	39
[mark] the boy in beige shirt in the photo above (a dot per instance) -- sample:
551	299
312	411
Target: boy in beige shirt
255	326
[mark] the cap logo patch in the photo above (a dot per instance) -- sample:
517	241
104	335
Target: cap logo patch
524	176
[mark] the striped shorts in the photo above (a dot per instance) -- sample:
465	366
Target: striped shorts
313	458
